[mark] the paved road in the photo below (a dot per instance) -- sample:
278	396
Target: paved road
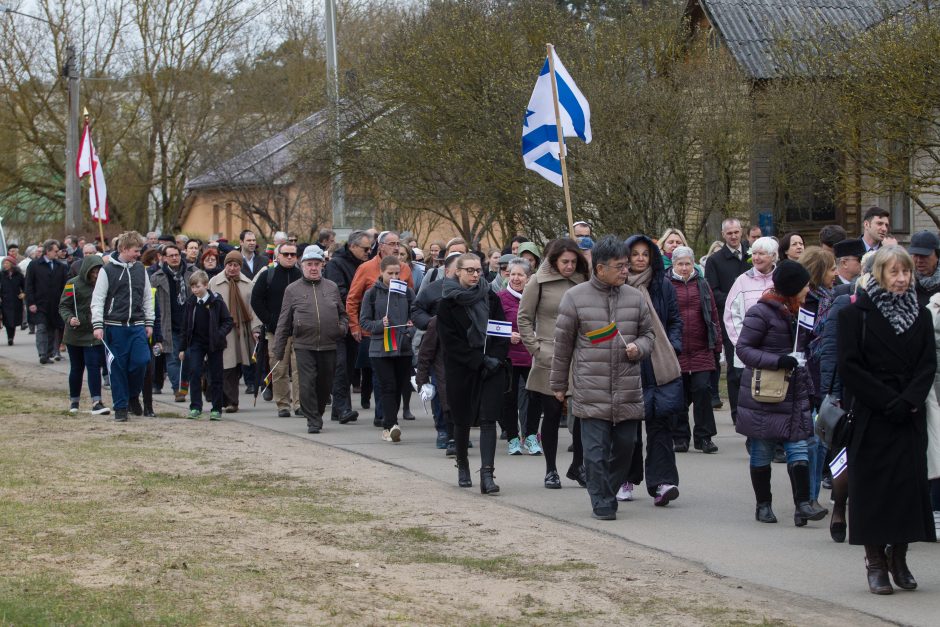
712	523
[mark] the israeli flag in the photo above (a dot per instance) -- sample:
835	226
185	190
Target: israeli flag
498	328
539	131
806	319
398	287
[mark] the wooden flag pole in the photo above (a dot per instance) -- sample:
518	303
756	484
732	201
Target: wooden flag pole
550	49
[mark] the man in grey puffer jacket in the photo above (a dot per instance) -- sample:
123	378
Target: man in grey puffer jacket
605	328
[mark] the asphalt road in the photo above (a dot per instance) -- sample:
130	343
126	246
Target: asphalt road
712	523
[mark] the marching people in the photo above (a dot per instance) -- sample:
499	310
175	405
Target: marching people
875	226
668	242
312	319
474	364
924	249
564	268
86	353
203	341
766	345
209	262
848	254
45	279
933	422
430	372
663	396
604	329
171	280
888	360
267	296
386	315
792	246
122	314
12	294
519	357
234	288
701	341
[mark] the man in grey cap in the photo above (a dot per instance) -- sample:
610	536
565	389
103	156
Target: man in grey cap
314	315
924	248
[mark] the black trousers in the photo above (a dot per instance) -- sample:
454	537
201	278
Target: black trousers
509	420
195	356
698	394
230	385
734	378
608	449
715	380
660	463
315	369
346	351
393	374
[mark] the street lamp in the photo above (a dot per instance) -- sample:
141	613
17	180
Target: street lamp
73	204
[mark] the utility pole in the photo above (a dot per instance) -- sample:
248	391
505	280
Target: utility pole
73	200
338	193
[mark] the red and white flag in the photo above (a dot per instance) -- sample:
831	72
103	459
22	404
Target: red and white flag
88	164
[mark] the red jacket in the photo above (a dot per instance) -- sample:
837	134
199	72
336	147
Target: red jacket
701	326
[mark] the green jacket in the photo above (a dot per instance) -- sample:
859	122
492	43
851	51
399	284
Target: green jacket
76	301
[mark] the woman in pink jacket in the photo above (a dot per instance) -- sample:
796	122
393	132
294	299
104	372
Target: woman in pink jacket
749	287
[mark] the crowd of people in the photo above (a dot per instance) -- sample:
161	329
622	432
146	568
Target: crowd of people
618	340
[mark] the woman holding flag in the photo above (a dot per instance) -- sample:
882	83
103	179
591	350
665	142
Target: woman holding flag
475	363
386	315
85	352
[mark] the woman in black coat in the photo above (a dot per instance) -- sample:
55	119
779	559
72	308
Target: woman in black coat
475	365
887	362
12	293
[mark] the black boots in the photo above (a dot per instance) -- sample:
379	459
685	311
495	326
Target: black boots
760	480
896	560
487	458
877	567
463	473
799	481
487	485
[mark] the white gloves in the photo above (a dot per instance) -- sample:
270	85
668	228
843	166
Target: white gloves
427	392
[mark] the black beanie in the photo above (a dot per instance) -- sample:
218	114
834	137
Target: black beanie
790	277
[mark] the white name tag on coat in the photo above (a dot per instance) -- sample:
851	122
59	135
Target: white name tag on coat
397	286
839	463
498	328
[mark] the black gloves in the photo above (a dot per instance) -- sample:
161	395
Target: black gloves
787	362
490	364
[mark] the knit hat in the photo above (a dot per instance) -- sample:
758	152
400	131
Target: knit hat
790	277
234	256
313	252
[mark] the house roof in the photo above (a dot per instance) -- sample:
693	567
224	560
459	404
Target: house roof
753	30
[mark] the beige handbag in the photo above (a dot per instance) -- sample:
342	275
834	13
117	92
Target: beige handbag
769	386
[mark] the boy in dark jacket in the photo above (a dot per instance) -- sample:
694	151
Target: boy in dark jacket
207	322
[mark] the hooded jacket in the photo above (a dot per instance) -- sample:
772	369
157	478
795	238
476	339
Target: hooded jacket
78	304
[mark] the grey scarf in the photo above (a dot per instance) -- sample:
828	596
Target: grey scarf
475	300
900	310
930	283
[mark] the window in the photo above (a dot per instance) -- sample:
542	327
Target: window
900	207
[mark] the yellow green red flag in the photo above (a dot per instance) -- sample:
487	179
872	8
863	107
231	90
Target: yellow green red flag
603	334
389	340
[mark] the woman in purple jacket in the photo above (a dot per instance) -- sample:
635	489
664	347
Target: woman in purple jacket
766	343
519	273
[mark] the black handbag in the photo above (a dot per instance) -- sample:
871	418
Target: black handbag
834	424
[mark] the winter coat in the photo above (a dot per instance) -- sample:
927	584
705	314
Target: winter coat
723	269
79	305
888	375
44	284
341	269
313	314
220	322
237	352
605	384
431	362
518	355
470	391
166	298
933	399
429	297
258	263
12	285
538	310
122	296
366	276
374	305
267	295
701	326
766	335
829	380
744	294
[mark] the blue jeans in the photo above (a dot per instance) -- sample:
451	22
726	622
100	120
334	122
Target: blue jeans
85	359
762	452
817	462
131	355
173	361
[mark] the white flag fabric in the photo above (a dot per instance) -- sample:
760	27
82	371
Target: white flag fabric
398	287
498	328
539	132
109	358
88	164
806	319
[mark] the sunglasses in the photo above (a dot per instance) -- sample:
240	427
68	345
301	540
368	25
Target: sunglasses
289	254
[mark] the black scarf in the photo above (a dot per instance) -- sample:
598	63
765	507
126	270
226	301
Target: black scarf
900	310
475	300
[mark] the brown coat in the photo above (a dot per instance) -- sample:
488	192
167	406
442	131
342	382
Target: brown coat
237	349
537	312
606	385
313	314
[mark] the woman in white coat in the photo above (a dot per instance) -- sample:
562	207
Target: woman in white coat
933	421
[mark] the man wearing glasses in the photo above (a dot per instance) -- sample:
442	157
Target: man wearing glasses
266	298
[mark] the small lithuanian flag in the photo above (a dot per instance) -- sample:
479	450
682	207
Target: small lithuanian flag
270	250
69	290
184	387
604	334
389	340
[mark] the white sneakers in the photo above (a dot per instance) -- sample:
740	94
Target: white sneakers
392	435
625	493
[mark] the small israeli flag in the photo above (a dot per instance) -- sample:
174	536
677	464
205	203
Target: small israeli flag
498	328
539	131
398	287
806	319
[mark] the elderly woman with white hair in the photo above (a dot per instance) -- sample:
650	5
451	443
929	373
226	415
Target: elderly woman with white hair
701	342
749	287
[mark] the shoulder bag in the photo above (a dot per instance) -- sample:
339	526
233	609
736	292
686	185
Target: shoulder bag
832	421
769	386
